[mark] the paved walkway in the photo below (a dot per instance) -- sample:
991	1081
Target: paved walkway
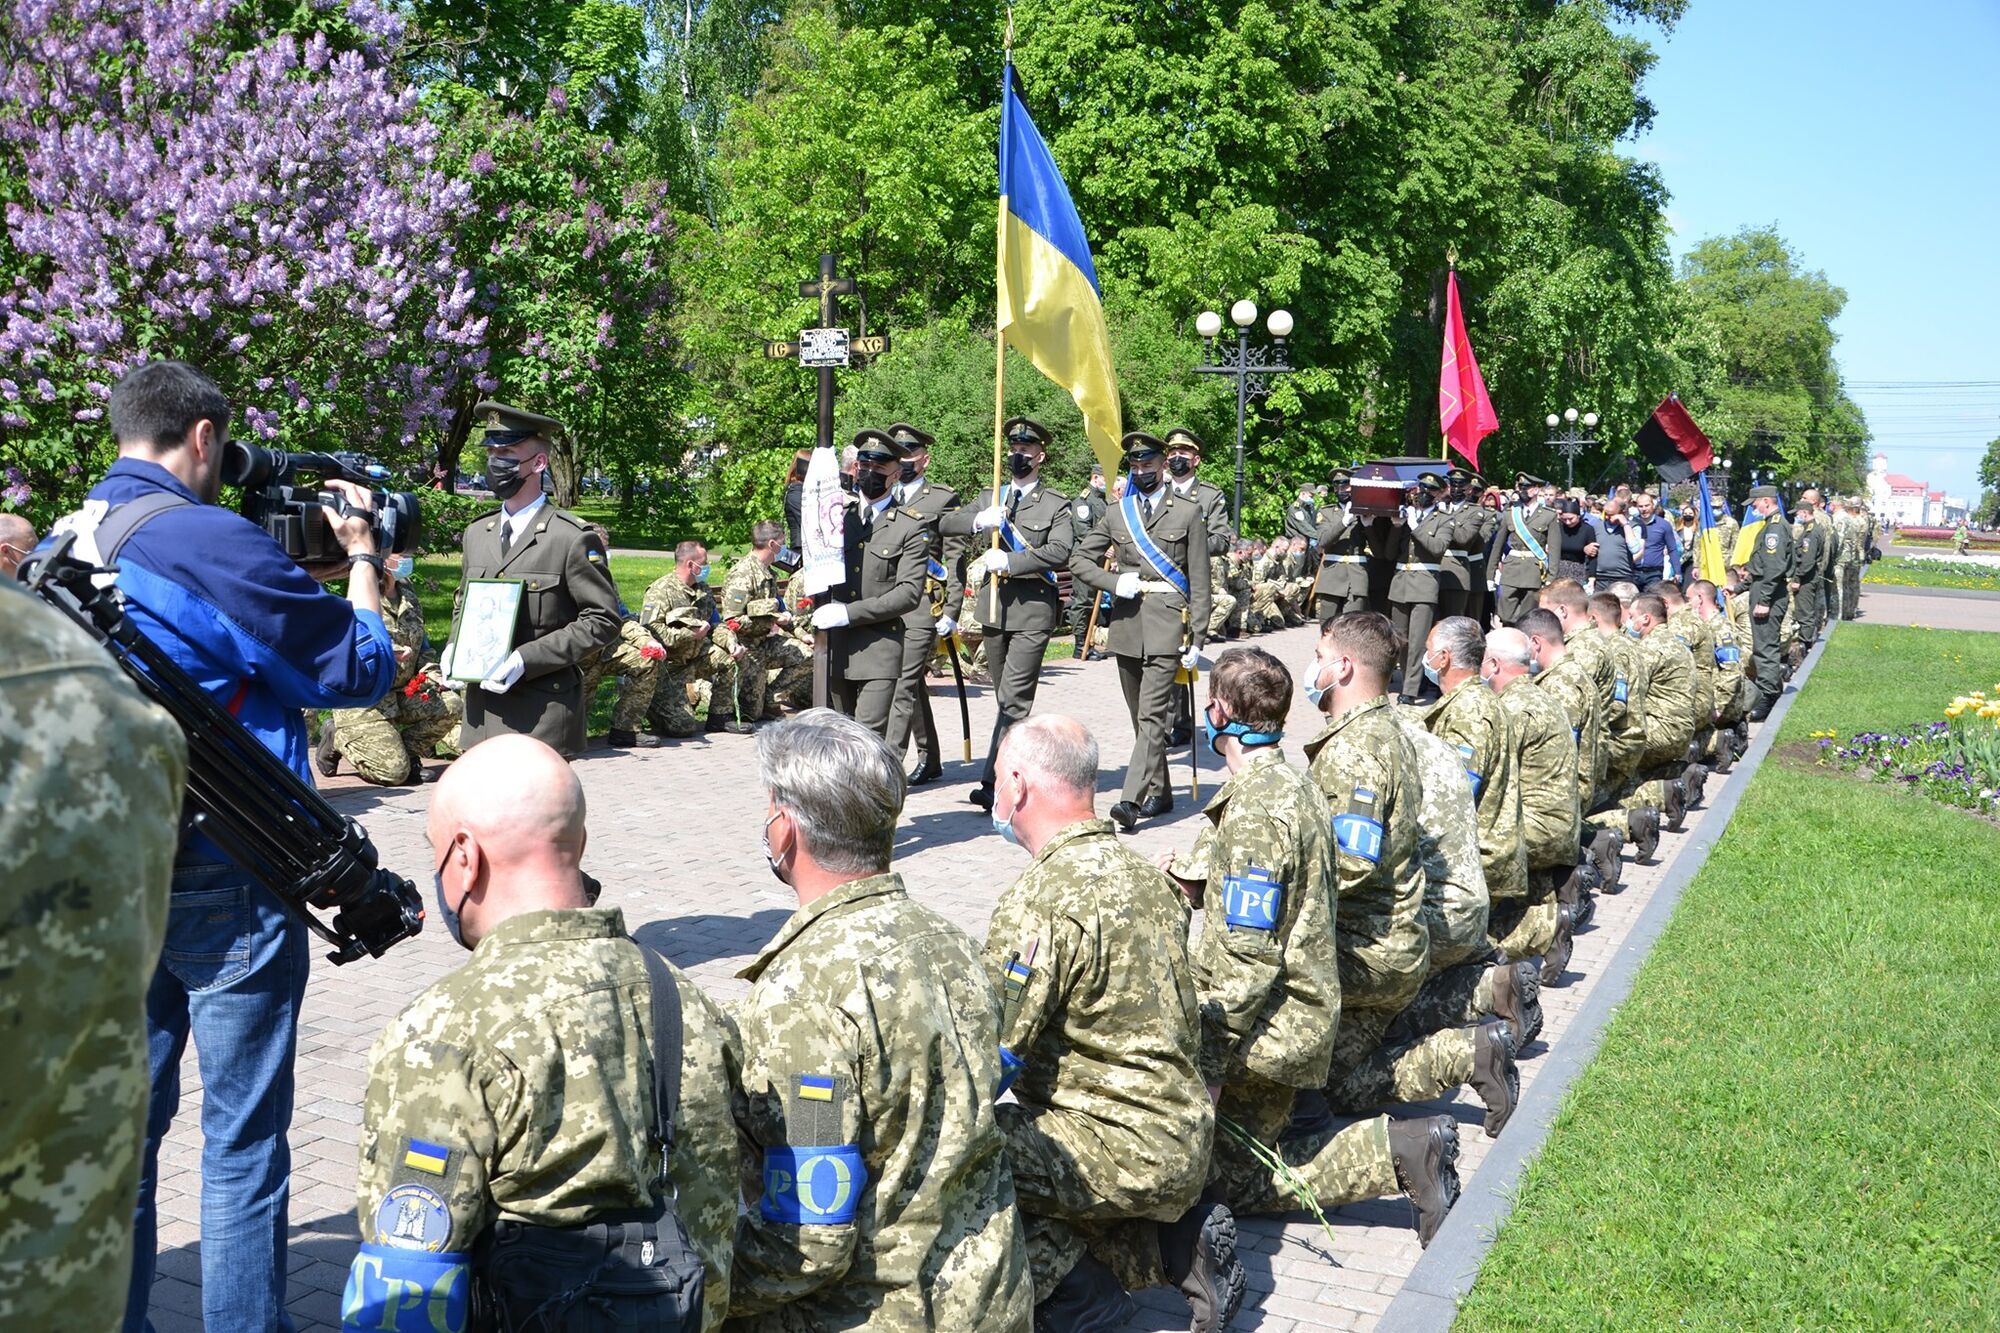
1930	608
673	835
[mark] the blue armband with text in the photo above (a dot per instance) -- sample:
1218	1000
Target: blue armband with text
406	1291
813	1186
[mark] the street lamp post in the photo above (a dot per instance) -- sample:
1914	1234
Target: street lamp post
1251	365
1570	440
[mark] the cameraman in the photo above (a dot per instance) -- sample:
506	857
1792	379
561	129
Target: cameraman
222	598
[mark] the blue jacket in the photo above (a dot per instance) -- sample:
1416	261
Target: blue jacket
236	613
1662	557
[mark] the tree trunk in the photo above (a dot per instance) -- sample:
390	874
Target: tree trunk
1420	421
444	472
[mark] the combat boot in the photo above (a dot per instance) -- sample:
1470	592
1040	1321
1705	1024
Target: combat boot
327	757
1578	892
1604	852
1426	1154
619	739
1087	1300
1695	781
1643	828
1495	1076
1557	959
1725	751
1517	997
1199	1255
1674	814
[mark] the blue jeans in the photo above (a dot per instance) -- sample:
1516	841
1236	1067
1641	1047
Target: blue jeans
233	973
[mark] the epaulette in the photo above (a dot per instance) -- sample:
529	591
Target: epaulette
579	524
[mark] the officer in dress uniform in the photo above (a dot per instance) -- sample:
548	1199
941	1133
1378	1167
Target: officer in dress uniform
569	605
1086	513
1183	460
1465	562
888	549
1159	614
910	718
1425	532
1343	542
1036	530
1530	540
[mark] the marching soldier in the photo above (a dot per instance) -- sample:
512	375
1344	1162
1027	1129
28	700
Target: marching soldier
888	553
1531	537
1159	616
1342	586
1086	513
569	604
388	741
1425	533
910	717
1768	592
1036	536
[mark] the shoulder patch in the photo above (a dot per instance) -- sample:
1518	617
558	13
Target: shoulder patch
1252	899
429	1158
816	1087
1083	511
413	1217
1770	541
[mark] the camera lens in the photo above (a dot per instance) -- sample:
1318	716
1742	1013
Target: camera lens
246	464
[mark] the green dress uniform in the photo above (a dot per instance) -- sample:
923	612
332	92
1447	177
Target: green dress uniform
870	1068
888	550
82	754
1085	513
1807	585
1478	525
910	715
521	1086
1302	521
1523	573
1342	585
1770	571
1421	542
1099	1027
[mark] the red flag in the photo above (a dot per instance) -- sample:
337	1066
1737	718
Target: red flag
1463	407
1673	443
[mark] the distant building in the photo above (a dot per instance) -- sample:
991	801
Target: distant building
1907	502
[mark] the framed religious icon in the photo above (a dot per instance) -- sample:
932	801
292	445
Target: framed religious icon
483	635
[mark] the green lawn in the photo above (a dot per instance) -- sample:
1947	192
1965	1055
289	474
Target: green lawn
1933	574
1791	1125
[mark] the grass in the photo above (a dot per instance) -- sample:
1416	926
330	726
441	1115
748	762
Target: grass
1933	574
1790	1125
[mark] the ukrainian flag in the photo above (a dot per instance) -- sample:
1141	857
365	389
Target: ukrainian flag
1708	537
1746	536
1049	304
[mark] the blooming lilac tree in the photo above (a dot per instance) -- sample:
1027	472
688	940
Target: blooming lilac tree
265	205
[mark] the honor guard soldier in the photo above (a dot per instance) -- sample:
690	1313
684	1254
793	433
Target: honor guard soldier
1086	513
1183	460
1302	518
1036	536
1343	542
568	607
888	549
1465	562
1159	612
1531	535
910	717
1425	534
1768	590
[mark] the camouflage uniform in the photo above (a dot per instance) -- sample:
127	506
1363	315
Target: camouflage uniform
1110	1120
1606	672
1222	602
1571	685
1626	735
1852	534
521	1086
1687	625
80	752
869	1072
1551	819
417	717
775	664
1733	693
1470	717
635	657
674	613
1669	677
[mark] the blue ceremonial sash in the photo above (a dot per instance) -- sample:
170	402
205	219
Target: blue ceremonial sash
1012	536
1149	550
1521	531
935	568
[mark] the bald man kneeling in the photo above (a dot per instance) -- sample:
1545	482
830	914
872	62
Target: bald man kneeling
514	1101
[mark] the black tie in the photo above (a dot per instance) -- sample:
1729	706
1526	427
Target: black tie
506	537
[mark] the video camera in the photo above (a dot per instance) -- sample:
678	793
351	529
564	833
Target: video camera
260	813
275	502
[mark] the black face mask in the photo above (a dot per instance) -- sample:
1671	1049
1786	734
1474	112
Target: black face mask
503	477
1145	482
873	485
1020	465
1180	467
908	471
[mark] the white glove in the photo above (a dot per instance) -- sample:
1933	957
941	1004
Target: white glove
988	518
444	660
831	616
993	562
946	627
1128	585
1190	658
503	679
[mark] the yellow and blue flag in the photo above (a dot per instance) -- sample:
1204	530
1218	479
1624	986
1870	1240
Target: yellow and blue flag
1746	536
1049	303
1708	553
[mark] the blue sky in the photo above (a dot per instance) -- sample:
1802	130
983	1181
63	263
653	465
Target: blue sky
1870	135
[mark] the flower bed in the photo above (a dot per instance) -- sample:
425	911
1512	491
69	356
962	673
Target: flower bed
1954	761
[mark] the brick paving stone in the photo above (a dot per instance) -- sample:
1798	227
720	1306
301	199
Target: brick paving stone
674	837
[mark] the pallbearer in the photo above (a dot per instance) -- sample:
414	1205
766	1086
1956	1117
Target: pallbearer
910	719
887	546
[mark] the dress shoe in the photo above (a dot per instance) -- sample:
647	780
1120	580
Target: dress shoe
1605	847
1182	734
1557	959
981	796
929	771
1517	997
1762	710
1495	1076
1155	806
1426	1156
327	757
1198	1253
1125	815
1087	1300
1674	813
1643	825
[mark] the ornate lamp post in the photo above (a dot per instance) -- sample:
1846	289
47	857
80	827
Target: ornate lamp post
1251	365
1570	440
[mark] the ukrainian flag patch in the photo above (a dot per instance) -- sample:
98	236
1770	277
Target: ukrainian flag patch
816	1087
428	1158
1018	972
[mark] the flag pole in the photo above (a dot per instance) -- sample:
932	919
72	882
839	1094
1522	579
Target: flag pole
999	330
1450	267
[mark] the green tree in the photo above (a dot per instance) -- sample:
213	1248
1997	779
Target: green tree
1989	483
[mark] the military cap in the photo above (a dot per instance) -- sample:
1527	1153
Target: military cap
1340	474
502	425
1462	477
1528	479
1026	430
903	433
1180	437
878	446
1430	481
1139	446
1763	492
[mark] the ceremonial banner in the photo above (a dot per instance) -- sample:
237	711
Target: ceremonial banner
1049	304
821	518
1746	536
1708	537
1672	442
1463	407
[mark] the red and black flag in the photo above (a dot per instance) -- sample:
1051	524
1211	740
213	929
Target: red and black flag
1673	443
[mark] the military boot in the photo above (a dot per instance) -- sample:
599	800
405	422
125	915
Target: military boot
326	757
1557	959
1578	892
1674	814
1605	849
1695	781
1087	1300
1495	1076
1199	1255
1517	997
1426	1154
1643	830
1725	751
